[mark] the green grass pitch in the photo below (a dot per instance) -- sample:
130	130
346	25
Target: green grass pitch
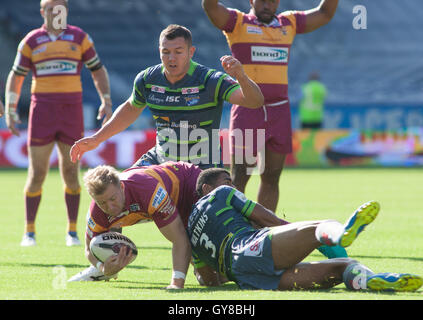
393	243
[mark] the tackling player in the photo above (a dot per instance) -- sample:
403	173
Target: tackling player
163	193
55	54
225	243
186	101
261	40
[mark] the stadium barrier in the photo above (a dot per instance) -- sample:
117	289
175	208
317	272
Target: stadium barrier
311	148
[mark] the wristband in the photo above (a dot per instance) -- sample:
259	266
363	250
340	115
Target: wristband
98	265
13	114
178	275
106	96
11	98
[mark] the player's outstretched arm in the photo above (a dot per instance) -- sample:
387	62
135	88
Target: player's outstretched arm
249	95
181	251
218	14
122	118
321	15
263	217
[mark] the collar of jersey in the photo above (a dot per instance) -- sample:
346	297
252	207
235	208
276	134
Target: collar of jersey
274	23
192	66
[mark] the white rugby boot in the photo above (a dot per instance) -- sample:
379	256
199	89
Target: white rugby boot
91	274
28	240
72	239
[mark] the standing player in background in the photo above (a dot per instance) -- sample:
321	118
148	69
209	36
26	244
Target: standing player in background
186	101
311	107
262	40
55	54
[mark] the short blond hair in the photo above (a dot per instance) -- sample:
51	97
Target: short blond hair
98	179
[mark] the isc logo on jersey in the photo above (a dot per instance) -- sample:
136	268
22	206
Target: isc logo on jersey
269	54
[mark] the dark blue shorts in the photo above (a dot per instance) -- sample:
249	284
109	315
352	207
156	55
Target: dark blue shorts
252	262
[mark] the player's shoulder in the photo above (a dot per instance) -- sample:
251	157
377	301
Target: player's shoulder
131	173
235	13
77	32
185	167
95	215
75	29
149	73
200	70
289	15
208	73
35	37
223	190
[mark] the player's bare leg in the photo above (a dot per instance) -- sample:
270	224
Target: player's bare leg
291	243
38	157
239	174
268	193
69	172
329	273
315	275
68	169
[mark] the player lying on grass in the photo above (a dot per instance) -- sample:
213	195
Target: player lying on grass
224	242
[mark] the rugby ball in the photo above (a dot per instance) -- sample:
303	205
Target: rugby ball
109	243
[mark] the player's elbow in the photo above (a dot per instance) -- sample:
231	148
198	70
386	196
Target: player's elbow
256	102
207	5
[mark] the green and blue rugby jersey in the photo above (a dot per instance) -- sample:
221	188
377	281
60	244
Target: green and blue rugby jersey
187	113
213	224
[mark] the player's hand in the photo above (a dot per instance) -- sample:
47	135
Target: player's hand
173	287
12	118
116	263
105	110
233	67
176	284
81	146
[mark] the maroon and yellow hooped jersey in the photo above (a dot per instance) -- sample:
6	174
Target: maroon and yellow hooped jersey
264	49
156	193
56	62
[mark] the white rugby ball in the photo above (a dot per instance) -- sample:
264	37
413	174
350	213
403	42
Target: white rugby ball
109	243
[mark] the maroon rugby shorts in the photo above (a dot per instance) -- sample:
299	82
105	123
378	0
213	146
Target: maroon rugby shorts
274	120
55	121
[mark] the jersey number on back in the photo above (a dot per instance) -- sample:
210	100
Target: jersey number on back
208	244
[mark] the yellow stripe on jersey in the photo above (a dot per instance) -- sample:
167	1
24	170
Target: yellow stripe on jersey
174	194
62	84
267	74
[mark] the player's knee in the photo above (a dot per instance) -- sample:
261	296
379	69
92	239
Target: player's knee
239	176
70	175
271	175
36	177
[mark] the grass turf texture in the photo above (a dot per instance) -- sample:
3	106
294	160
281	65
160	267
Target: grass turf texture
393	243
